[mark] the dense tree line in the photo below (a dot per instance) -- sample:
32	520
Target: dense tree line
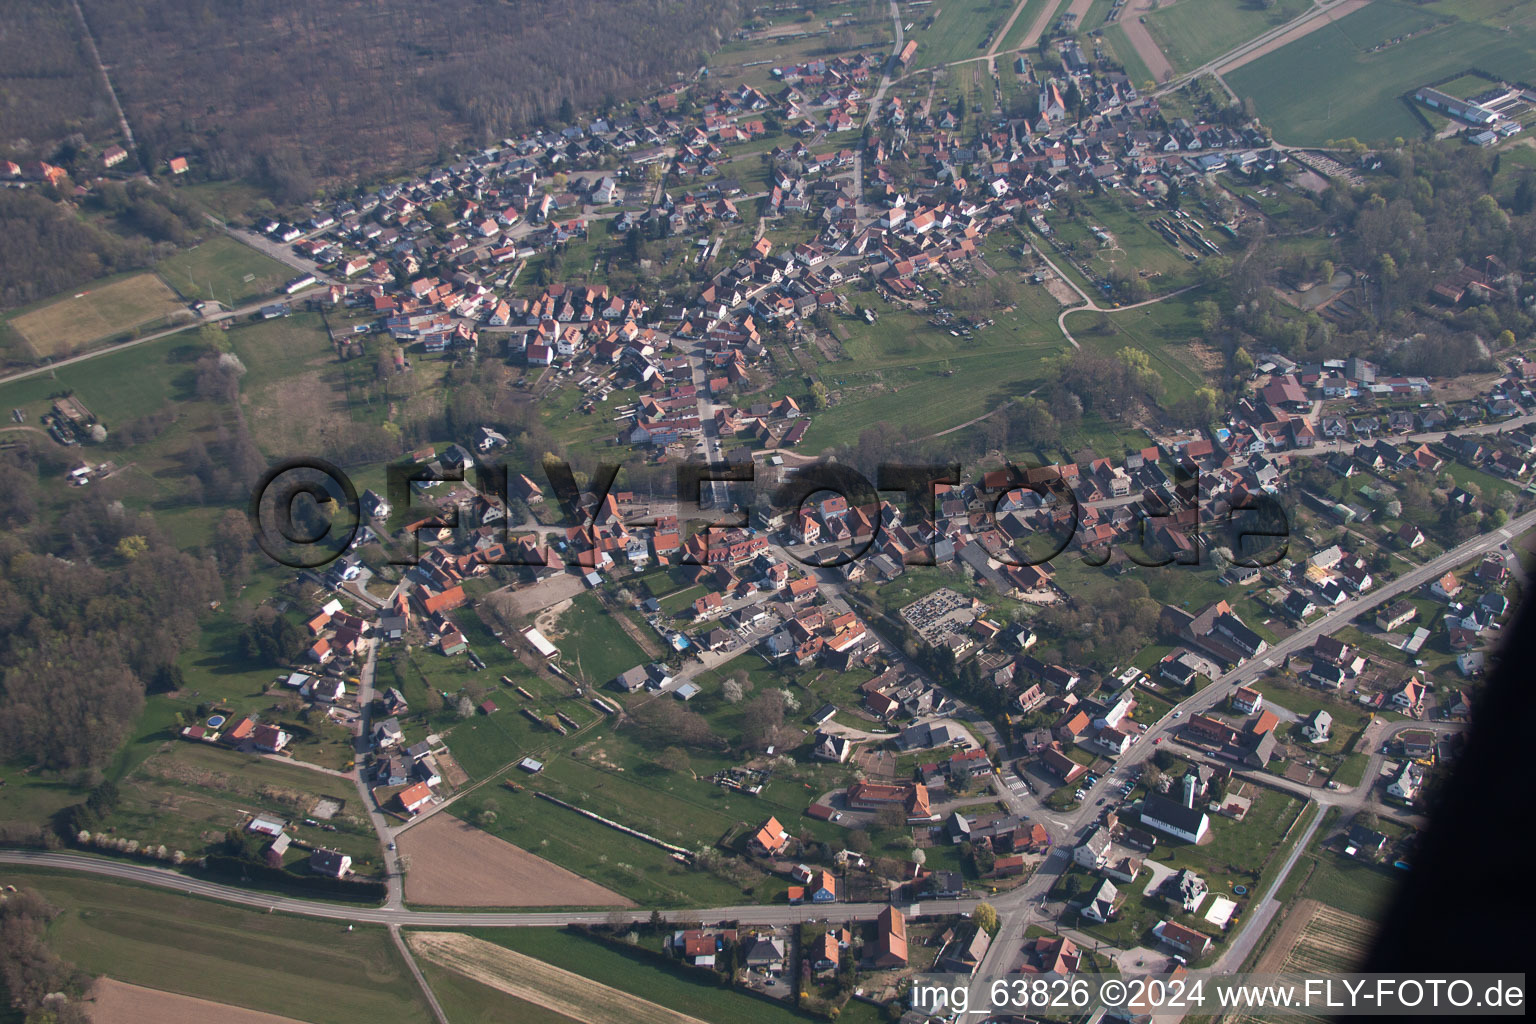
81	638
295	94
30	972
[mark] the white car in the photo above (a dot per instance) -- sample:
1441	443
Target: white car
1178	714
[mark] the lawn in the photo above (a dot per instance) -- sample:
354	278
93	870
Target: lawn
1192	32
1166	331
321	972
595	646
1238	852
682	989
1355	887
1329	85
118	386
933	390
67	323
962	29
224	270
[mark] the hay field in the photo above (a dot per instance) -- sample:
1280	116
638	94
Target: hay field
96	312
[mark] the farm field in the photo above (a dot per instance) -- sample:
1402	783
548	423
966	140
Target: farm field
1124	51
1033	9
469	1002
1331	941
315	972
632	867
223	270
1192	32
1328	85
1313	939
68	323
539	983
680	989
114	1002
962	29
445	852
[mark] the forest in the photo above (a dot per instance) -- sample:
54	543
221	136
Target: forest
296	95
87	631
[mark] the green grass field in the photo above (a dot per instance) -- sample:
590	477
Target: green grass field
1192	32
67	323
117	387
312	971
595	646
1327	85
469	1002
224	270
1163	330
1119	44
902	370
1032	9
959	31
644	873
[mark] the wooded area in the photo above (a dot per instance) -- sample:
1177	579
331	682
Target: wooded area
295	94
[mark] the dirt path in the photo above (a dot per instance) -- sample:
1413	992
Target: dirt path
1146	47
454	864
1342	10
537	982
115	1002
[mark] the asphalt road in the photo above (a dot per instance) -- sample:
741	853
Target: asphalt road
163	878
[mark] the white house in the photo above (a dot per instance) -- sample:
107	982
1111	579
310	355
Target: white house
1318	726
1101	902
1175	819
1408	782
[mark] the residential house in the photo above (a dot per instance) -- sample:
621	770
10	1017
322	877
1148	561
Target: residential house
890	947
1100	905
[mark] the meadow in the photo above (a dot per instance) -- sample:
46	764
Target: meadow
909	372
1167	331
1033	9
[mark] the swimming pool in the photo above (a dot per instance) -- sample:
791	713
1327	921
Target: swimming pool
215	721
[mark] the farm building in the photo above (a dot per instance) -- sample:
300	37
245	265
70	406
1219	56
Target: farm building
540	643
